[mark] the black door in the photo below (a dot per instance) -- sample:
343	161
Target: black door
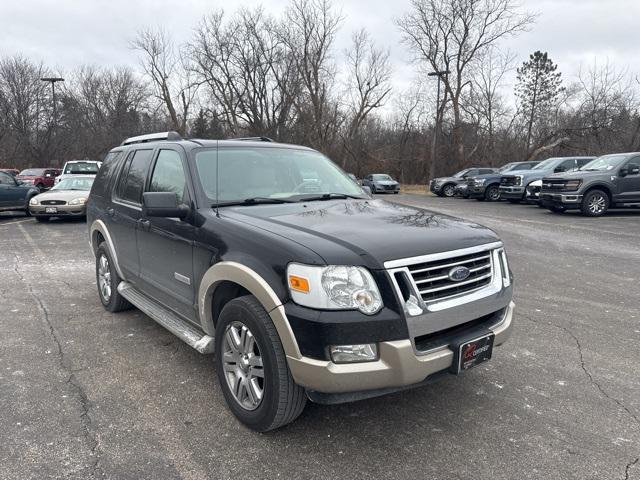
12	195
165	245
126	209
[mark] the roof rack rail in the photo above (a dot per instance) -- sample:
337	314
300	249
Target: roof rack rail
153	137
253	139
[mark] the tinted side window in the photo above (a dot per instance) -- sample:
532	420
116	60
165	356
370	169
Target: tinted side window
168	174
105	173
569	164
582	161
133	176
6	179
471	172
486	170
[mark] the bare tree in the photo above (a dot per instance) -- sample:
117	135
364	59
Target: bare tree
169	76
368	85
452	35
308	29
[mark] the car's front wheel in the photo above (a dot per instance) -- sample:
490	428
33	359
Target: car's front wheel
107	279
252	367
492	193
595	203
449	190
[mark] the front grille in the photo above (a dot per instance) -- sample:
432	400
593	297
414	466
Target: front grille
389	187
53	202
433	281
510	180
554	185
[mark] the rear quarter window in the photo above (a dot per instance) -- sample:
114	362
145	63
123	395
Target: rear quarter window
105	174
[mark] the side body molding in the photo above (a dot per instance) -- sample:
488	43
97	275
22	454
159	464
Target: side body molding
258	287
99	226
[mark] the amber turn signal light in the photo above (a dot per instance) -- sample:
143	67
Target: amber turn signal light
299	284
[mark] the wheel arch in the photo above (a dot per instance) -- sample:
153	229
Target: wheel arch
600	186
99	232
218	283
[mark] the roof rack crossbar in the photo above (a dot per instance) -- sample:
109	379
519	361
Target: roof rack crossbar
153	137
253	139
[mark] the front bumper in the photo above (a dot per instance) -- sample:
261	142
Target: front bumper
398	365
512	193
435	187
571	200
61	210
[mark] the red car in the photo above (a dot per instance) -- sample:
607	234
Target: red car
11	171
41	178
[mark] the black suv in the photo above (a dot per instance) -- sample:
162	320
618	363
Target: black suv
300	284
607	181
487	186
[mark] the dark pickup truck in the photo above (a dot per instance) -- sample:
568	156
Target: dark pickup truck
608	181
302	286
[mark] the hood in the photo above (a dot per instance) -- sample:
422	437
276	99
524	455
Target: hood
579	174
369	232
449	179
66	195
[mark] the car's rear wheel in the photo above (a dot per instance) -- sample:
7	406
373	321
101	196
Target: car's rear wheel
42	219
492	193
595	203
252	367
107	279
449	190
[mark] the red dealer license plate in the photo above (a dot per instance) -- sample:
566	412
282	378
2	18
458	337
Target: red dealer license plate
475	351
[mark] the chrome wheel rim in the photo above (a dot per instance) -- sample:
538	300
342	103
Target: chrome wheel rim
494	193
242	363
104	278
449	191
597	204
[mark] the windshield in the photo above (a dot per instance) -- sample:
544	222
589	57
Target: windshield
460	173
271	173
507	167
381	177
79	168
605	163
74	184
31	172
548	163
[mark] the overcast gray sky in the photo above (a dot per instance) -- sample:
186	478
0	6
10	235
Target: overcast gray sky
69	33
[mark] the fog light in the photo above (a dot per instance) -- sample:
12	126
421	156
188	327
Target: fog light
366	352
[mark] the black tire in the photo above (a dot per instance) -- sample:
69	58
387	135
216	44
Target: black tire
556	209
448	190
282	399
595	203
42	219
114	302
40	187
396	192
492	193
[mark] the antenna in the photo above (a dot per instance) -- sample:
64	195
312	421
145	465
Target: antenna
217	180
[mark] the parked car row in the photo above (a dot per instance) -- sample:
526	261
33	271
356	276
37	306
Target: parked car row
589	184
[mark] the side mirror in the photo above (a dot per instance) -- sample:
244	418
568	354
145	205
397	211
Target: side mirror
163	204
366	189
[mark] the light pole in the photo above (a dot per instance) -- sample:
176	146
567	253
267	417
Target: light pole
434	142
53	81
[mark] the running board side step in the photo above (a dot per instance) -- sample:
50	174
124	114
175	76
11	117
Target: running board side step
169	320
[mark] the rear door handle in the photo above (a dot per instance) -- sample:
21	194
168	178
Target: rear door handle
144	224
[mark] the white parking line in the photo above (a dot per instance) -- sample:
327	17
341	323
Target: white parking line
14	222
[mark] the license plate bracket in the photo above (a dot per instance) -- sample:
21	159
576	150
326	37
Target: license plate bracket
472	351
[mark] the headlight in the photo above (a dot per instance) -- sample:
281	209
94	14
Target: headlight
573	184
518	179
334	287
78	201
34	201
479	181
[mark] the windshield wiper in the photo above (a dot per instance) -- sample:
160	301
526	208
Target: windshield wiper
329	196
253	201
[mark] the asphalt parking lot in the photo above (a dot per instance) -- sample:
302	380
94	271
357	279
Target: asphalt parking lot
89	394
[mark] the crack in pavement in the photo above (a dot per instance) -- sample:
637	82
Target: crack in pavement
627	470
72	381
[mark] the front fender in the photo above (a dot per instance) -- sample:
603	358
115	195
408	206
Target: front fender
258	287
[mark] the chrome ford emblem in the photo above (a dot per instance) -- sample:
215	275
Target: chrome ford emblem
459	273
